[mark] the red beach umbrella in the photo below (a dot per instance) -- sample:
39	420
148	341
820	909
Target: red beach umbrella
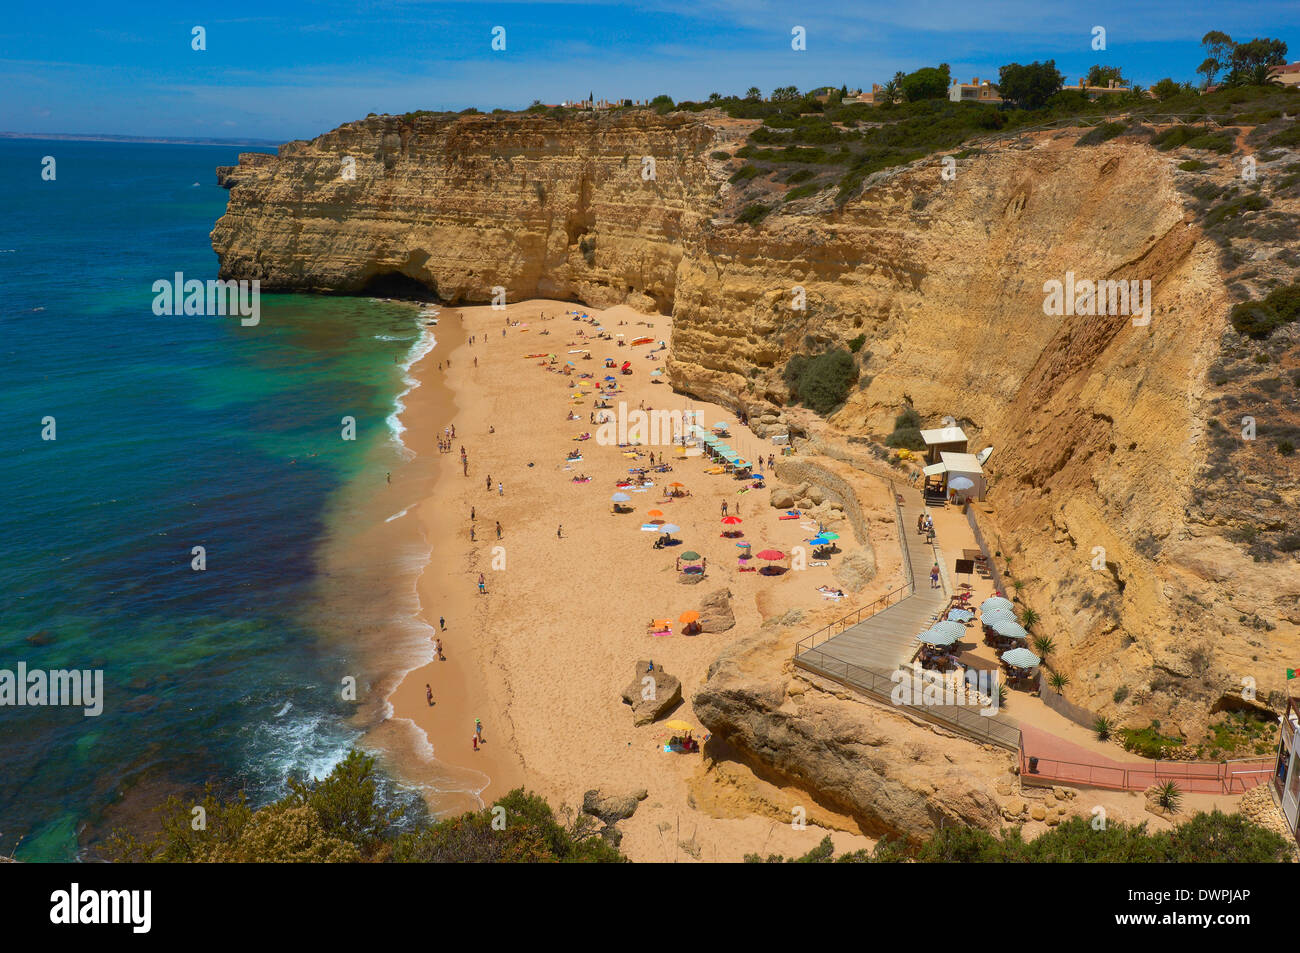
771	555
732	520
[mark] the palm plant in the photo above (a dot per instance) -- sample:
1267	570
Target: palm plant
1028	618
1044	645
1103	726
1017	585
890	91
1169	796
1058	681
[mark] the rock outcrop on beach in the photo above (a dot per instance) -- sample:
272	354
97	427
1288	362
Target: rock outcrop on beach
892	775
1104	451
651	694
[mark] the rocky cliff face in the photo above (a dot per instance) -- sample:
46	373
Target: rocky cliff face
590	209
1099	426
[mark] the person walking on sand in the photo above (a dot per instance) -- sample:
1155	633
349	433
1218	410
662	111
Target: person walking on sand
472	538
501	489
559	531
464	466
472	517
478	730
498	529
934	576
389	477
473	739
482	586
438	648
442	623
428	694
489	483
724	507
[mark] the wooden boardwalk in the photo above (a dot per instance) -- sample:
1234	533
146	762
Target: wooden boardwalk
887	639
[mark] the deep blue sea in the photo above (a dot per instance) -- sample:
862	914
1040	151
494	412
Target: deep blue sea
171	433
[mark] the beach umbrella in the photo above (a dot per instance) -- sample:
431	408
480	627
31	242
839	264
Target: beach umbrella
689	617
961	615
1010	629
656	372
960	483
620	498
994	616
732	520
935	637
771	555
677	484
690	556
1020	658
720	425
654	513
678	725
670	528
818	541
829	535
948	627
610	377
993	602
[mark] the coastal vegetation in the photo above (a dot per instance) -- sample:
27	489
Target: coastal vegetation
822	382
1203	838
344	818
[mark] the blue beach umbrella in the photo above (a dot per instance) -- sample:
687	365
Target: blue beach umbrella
620	498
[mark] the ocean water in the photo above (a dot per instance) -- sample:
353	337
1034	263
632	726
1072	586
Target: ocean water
171	433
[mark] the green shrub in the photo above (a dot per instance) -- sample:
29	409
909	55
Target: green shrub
744	173
855	345
1193	165
753	213
822	382
720	155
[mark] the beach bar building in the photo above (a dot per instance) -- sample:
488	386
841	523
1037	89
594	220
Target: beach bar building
1286	777
952	439
941	479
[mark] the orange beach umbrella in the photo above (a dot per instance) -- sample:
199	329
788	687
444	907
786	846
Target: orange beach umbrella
689	617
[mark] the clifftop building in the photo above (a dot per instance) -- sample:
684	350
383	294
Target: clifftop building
974	92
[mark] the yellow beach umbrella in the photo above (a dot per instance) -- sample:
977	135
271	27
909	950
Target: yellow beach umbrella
678	726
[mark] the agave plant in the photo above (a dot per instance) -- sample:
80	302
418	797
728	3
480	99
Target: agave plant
1017	584
1103	726
1058	681
1044	645
1028	618
1169	796
1002	696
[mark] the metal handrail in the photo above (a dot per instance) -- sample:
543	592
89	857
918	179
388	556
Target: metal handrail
1198	776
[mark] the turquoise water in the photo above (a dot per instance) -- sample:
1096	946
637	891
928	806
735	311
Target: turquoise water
172	432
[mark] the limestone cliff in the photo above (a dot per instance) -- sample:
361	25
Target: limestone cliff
1099	426
590	209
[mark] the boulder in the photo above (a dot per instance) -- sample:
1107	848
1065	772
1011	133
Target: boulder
816	495
1038	812
612	808
782	498
716	614
667	694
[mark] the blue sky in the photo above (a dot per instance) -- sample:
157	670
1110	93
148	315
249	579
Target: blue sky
292	70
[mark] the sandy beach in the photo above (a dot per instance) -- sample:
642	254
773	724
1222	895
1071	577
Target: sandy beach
542	657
